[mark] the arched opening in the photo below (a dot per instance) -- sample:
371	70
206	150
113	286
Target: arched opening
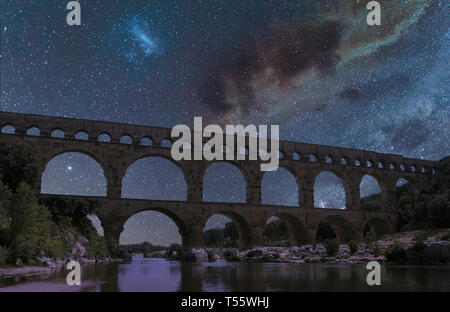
344	161
335	227
126	139
34	131
296	156
154	178
97	224
369	189
312	158
104	138
328	159
329	191
8	129
73	173
146	141
166	143
279	188
284	230
224	182
379	225
228	229
57	133
401	182
153	228
82	135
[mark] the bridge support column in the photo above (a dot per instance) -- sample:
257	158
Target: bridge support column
112	234
257	236
194	239
354	198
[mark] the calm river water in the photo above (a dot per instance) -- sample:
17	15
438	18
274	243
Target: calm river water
163	275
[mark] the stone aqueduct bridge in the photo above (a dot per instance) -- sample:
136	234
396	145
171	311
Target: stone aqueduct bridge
303	161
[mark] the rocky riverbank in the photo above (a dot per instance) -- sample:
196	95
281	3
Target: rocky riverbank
433	248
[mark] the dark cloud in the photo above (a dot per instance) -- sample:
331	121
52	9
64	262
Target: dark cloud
285	51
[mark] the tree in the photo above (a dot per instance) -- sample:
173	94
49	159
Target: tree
30	226
17	163
325	232
276	230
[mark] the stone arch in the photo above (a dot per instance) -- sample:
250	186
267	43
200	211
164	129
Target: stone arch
34	131
369	185
380	226
58	133
146	141
126	139
88	168
82	135
231	183
280	187
104	137
343	229
8	129
330	190
296	229
179	223
245	233
162	169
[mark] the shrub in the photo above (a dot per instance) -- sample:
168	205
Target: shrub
231	256
332	247
445	236
370	238
396	253
419	239
353	246
211	255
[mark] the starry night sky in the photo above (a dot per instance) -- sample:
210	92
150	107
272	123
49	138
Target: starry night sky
314	67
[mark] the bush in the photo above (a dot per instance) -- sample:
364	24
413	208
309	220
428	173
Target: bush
332	247
445	236
3	255
353	246
370	238
211	255
231	256
419	239
396	253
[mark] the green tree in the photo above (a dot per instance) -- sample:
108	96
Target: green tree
325	232
17	163
276	230
5	199
31	226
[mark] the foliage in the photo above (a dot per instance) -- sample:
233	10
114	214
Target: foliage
226	237
420	239
4	253
76	210
211	255
353	246
5	199
17	164
332	247
30	228
231	256
445	236
430	207
325	232
276	230
370	238
144	248
396	252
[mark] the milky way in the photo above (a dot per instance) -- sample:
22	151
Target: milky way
314	67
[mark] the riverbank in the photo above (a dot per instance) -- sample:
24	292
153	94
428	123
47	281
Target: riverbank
416	247
49	266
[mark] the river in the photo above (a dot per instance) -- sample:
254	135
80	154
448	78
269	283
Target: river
144	274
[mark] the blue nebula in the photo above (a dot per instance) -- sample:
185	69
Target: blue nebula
140	33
